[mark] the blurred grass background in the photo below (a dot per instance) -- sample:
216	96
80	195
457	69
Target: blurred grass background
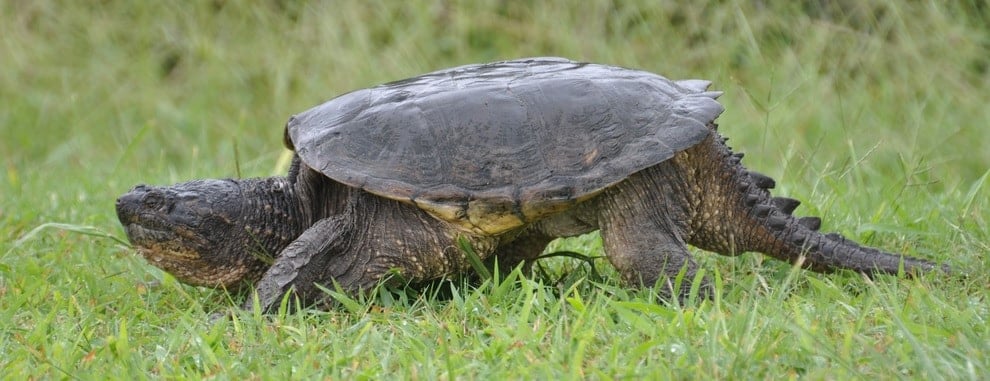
873	112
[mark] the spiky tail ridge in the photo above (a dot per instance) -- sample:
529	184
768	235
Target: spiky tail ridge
753	220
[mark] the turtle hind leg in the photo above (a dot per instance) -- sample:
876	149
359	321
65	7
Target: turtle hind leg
642	238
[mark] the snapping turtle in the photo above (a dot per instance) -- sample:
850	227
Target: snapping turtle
507	155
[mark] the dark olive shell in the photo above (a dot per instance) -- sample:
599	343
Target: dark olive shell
490	147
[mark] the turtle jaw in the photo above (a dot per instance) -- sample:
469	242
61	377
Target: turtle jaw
179	230
171	251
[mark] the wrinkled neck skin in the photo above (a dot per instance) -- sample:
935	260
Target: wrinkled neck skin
272	217
316	196
277	210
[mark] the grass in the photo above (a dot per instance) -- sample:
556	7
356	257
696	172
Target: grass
874	113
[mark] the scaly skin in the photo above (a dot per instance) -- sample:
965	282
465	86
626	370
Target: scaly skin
736	214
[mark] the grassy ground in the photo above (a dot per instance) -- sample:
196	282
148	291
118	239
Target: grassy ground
876	115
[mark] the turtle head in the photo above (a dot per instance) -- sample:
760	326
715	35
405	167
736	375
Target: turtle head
204	232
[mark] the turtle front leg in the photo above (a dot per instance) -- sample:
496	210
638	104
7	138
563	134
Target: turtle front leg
643	240
314	258
372	240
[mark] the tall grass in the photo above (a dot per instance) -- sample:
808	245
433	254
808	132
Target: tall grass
874	113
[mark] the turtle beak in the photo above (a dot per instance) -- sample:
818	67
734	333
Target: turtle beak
127	205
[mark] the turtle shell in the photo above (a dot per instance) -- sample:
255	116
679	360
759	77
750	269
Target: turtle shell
494	146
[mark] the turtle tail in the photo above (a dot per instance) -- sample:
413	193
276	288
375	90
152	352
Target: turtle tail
756	221
777	233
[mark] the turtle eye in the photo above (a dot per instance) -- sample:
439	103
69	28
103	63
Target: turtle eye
159	202
153	200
